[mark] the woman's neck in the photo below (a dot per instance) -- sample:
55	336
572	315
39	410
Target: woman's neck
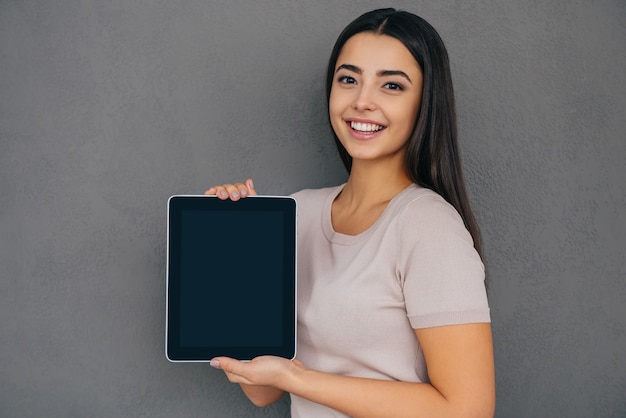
372	184
365	196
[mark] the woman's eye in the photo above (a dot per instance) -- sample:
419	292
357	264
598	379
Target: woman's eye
394	86
346	79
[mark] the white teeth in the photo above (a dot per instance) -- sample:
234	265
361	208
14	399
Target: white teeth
365	127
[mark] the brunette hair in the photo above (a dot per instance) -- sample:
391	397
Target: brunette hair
432	156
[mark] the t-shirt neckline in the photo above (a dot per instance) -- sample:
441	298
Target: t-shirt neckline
345	239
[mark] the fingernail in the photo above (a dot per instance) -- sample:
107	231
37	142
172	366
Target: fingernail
251	184
215	363
235	195
244	193
223	193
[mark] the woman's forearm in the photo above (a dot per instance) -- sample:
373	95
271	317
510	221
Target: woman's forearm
460	369
360	397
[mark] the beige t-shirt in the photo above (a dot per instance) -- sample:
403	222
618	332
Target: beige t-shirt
361	296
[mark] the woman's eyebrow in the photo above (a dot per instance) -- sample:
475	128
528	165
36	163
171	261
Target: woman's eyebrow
349	67
381	73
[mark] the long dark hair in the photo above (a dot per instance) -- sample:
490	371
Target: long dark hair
432	155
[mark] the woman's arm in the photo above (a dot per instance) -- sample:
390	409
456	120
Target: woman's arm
460	366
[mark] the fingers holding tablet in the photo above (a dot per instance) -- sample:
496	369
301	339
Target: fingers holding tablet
233	192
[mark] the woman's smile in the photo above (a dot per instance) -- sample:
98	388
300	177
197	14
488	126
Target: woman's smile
364	130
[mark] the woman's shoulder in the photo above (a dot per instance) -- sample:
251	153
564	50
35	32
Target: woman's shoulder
427	209
418	198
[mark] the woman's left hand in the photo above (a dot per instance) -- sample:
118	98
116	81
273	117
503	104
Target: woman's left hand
261	371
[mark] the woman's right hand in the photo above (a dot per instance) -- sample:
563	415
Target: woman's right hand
233	191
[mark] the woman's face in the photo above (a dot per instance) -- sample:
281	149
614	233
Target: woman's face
375	96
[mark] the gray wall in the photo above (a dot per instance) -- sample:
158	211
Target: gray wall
109	107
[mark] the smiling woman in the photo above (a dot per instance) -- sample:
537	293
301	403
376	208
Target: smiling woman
393	318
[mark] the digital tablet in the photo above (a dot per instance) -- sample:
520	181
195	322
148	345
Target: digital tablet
231	278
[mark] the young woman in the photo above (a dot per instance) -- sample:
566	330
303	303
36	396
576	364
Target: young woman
393	317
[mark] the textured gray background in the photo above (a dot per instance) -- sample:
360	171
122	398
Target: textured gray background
109	107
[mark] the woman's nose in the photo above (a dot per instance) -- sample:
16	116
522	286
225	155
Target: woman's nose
364	99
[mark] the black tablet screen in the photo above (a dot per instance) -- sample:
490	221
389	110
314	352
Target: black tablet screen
231	278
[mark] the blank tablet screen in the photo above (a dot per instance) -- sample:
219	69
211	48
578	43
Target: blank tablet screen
231	278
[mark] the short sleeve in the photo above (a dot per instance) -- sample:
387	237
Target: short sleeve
441	274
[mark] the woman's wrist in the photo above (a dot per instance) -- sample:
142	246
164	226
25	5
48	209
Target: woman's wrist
292	379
